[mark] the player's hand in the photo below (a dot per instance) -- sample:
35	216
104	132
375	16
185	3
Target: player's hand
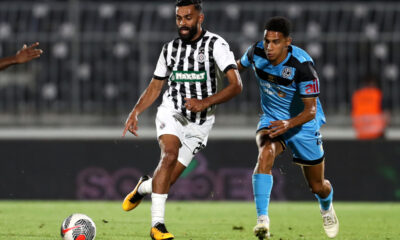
131	124
278	128
196	105
26	53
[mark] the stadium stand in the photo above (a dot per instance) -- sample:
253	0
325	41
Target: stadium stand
99	56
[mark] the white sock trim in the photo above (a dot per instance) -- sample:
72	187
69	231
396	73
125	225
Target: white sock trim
158	208
146	187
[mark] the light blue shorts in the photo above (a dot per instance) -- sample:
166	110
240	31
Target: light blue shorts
304	141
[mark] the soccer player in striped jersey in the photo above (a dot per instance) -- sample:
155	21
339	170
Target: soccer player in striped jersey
192	65
25	54
292	116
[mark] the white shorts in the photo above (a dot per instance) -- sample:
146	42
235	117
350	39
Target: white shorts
193	137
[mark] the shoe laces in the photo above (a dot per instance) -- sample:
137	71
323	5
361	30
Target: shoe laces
161	227
328	219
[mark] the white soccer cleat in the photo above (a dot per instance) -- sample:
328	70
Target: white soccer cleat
261	230
331	222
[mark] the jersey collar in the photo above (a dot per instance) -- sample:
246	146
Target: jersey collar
289	54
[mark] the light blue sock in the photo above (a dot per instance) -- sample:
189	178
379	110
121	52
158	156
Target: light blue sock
262	186
325	203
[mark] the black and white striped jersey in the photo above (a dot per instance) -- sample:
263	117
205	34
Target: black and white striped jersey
193	70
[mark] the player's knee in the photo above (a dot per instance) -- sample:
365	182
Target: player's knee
169	159
327	183
267	154
316	187
266	159
268	150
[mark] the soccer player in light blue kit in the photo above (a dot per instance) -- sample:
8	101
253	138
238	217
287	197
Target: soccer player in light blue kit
292	116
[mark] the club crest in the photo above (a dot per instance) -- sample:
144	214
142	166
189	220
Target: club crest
201	58
287	72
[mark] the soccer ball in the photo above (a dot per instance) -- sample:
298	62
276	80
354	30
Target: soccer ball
78	227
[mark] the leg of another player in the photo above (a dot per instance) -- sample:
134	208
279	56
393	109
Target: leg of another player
169	145
318	184
323	191
268	149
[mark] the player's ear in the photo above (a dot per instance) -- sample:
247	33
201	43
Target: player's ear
288	41
201	18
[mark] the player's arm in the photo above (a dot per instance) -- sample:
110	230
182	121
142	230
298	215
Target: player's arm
150	94
146	100
245	61
280	127
226	62
25	54
241	68
308	86
234	88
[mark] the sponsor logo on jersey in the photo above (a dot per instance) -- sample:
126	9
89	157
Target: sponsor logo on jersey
281	94
271	78
189	76
313	87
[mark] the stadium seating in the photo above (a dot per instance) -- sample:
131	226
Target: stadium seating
99	57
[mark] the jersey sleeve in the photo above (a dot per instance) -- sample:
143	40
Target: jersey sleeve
162	72
224	56
244	60
308	81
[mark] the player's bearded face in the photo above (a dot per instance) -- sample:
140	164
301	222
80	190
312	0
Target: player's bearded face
187	33
188	21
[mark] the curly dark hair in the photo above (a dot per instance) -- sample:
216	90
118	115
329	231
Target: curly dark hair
197	4
279	24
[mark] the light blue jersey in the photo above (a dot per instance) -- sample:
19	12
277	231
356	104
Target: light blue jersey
282	88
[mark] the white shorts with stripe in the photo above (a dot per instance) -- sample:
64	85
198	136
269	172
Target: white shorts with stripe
193	136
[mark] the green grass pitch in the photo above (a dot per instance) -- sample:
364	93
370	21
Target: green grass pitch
41	220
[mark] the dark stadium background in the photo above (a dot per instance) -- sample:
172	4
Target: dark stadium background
62	116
